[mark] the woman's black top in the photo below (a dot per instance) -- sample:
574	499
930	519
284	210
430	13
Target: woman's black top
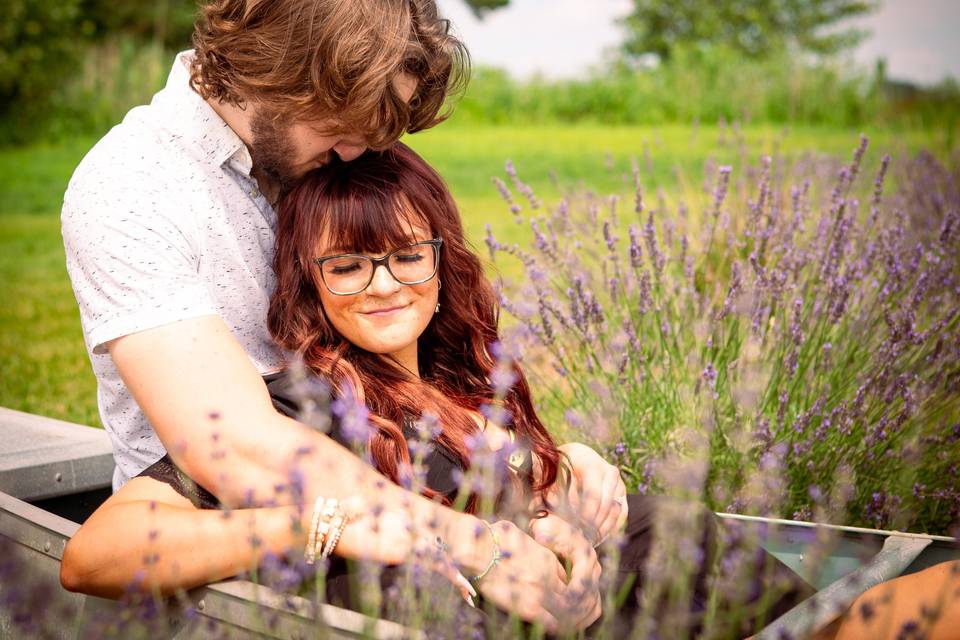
442	465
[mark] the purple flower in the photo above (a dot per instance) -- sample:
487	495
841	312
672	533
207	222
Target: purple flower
502	379
720	192
710	376
609	237
503	189
644	301
636	252
574	419
650	235
736	285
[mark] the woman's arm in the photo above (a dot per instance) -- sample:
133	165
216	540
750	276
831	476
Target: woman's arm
149	537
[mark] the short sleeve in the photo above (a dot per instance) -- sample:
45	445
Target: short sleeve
132	253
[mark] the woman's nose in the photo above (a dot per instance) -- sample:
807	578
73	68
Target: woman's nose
383	283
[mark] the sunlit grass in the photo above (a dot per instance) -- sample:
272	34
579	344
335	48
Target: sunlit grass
44	365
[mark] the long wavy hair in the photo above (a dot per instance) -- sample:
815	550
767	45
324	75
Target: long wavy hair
370	205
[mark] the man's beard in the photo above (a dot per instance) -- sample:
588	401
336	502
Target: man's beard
270	152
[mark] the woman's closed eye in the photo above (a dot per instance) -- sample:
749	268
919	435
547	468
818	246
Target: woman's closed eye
343	267
408	257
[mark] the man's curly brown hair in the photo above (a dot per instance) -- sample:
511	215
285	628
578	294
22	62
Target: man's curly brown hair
332	60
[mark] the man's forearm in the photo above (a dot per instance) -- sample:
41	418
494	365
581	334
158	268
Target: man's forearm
213	413
287	462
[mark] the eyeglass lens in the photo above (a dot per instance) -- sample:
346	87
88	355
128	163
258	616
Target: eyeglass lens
352	274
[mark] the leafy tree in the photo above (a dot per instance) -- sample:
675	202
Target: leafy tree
169	22
38	49
756	28
482	7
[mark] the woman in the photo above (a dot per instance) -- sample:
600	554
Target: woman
413	339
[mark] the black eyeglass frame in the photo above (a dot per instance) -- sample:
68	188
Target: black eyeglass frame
436	243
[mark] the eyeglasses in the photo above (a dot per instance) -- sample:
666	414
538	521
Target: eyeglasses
349	274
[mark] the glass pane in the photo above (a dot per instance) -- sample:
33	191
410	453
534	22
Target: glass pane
413	264
347	274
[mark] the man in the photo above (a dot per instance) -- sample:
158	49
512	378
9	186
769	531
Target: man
168	229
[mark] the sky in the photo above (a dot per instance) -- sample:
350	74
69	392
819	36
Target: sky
564	38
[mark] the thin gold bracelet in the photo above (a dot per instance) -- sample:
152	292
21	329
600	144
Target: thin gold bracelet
495	558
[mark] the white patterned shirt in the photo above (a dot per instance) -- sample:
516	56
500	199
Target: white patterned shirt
162	222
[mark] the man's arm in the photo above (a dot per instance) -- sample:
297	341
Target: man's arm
212	411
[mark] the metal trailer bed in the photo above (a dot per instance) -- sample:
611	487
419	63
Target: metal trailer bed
53	474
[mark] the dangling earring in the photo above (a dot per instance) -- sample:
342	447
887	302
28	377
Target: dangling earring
437	308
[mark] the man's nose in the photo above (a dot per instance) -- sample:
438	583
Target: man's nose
383	283
349	150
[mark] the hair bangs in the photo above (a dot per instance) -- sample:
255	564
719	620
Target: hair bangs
371	221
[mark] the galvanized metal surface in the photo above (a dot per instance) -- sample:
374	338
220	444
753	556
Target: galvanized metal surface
33	541
801	621
823	553
257	611
43	458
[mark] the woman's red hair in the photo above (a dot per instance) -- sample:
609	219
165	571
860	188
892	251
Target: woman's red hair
370	205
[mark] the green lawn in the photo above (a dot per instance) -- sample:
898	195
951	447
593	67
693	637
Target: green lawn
43	364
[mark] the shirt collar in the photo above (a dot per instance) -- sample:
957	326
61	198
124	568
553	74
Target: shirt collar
201	125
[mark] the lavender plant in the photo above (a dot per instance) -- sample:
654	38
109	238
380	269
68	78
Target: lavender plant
807	329
773	345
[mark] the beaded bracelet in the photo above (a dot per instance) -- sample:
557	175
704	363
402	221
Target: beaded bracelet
330	511
495	558
336	530
324	511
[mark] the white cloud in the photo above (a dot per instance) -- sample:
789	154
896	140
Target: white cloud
564	38
918	38
556	38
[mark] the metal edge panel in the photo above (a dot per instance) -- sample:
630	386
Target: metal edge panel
15	418
58	478
239	604
33	601
260	609
35	528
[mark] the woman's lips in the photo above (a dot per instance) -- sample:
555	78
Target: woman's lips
382	313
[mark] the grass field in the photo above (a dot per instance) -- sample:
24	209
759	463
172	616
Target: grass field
44	368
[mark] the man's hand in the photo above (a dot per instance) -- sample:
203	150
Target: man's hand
596	499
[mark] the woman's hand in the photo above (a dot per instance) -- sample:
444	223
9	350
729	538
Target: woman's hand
583	584
596	499
530	581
